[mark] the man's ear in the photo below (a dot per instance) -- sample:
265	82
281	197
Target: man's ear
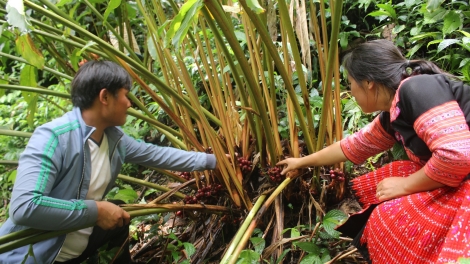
103	96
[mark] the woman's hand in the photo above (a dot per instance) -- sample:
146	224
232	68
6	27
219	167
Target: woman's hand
390	188
395	187
292	164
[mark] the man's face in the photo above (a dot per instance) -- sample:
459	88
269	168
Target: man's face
118	107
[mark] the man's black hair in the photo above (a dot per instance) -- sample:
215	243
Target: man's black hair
93	76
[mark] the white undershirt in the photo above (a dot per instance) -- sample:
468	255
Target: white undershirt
76	242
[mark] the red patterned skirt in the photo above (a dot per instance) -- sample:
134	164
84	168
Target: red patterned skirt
425	227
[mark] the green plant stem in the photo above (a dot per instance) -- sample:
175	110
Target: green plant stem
219	15
149	184
31	235
9	162
249	231
2	54
280	67
242	230
35	90
336	19
289	29
235	70
8	132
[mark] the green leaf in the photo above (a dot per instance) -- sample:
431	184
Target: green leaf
63	2
415	31
126	195
466	34
466	72
398	29
425	35
389	9
113	4
446	43
12	176
284	253
410	3
433	17
255	6
398	152
173	236
248	257
27	49
258	244
294	233
433	5
28	77
451	22
464	260
311	259
189	248
379	13
309	247
331	220
16	16
182	22
413	50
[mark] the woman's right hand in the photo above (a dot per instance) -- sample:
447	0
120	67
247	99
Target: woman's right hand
290	164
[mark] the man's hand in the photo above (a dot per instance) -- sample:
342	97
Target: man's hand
111	216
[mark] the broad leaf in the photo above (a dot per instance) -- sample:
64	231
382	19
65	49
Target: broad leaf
248	257
16	16
27	49
28	77
182	22
389	9
311	259
126	195
451	22
331	220
433	5
309	247
434	16
258	244
446	43
189	248
113	4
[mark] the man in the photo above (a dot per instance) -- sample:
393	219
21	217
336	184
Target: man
71	163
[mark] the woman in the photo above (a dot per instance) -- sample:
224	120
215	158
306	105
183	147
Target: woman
419	209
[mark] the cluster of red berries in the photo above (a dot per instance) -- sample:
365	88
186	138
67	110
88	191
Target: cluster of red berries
185	175
211	190
274	174
336	174
231	220
245	164
203	194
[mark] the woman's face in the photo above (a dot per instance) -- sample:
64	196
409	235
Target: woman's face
363	94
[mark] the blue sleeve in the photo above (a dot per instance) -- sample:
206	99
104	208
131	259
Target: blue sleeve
39	167
166	157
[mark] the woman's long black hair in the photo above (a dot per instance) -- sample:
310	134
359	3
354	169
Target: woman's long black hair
380	61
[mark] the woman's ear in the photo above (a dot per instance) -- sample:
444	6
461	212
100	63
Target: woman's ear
103	96
369	84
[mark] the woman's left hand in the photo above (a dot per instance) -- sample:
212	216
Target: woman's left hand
390	188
